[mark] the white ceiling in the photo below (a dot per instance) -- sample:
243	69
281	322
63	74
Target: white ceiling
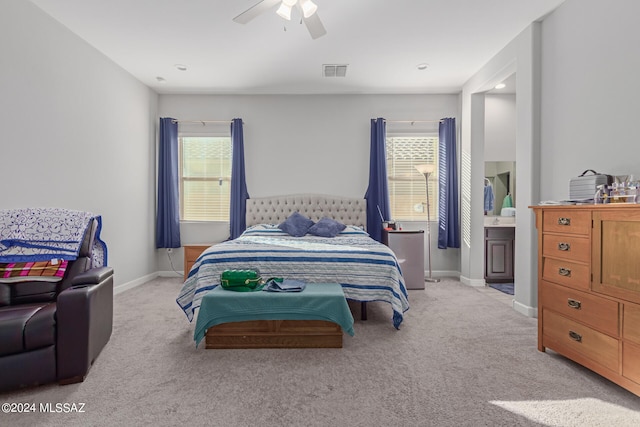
383	41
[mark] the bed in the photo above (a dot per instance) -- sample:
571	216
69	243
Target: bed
367	270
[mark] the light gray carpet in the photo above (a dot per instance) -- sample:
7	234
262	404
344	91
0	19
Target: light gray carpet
461	358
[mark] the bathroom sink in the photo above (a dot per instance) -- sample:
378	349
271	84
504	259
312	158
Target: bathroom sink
499	221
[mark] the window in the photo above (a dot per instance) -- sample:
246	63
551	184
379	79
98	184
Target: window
407	192
205	178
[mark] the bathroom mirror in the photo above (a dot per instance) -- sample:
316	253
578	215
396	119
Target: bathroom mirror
501	176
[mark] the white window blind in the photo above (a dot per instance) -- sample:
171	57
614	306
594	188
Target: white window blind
205	184
407	191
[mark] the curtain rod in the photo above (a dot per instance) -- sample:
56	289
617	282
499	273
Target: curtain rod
202	122
413	121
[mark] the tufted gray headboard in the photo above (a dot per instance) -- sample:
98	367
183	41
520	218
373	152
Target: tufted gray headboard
274	210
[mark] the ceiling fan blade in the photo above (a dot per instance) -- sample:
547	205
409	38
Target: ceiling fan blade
255	10
314	25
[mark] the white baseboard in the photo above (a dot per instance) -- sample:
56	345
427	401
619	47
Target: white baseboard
442	274
476	283
144	279
525	309
170	273
134	283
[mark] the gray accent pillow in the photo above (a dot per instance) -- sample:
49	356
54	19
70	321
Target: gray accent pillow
326	227
296	225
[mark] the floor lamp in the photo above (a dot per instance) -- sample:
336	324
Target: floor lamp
427	170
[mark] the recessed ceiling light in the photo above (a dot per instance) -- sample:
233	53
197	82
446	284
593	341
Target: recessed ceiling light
161	79
181	67
500	86
422	66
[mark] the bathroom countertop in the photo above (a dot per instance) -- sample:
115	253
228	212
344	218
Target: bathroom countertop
499	221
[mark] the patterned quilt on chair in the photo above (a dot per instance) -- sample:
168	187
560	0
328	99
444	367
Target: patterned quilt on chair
45	234
366	269
42	271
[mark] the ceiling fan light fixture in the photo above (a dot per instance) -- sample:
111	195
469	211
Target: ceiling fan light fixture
309	16
308	8
284	11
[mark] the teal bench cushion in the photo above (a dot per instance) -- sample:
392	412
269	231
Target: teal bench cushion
319	301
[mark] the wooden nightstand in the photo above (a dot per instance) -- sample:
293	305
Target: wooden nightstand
191	254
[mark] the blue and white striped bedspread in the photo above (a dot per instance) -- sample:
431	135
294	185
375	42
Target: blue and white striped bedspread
366	269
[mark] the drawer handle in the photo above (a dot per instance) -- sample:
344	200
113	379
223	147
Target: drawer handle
575	336
566	272
564	246
564	221
574	303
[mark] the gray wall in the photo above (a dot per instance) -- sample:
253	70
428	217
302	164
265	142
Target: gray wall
590	92
77	114
500	128
577	98
500	144
521	56
308	144
78	133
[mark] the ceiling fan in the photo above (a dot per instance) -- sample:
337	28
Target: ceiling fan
307	9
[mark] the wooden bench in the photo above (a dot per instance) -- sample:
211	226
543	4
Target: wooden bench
313	318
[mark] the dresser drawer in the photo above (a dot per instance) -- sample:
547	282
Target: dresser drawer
566	221
631	362
583	307
566	247
579	338
631	324
566	273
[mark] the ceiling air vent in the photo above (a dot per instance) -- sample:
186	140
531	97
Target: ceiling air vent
334	70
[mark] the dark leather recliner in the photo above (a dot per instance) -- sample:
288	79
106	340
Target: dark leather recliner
54	331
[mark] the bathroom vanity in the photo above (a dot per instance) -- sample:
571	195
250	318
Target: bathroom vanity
499	237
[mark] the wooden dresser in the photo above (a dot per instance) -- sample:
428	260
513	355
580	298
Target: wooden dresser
191	254
589	287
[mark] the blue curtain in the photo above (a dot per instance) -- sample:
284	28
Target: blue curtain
377	195
448	212
168	211
239	194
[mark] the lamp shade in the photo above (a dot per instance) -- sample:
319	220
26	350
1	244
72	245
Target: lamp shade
308	8
284	11
426	168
